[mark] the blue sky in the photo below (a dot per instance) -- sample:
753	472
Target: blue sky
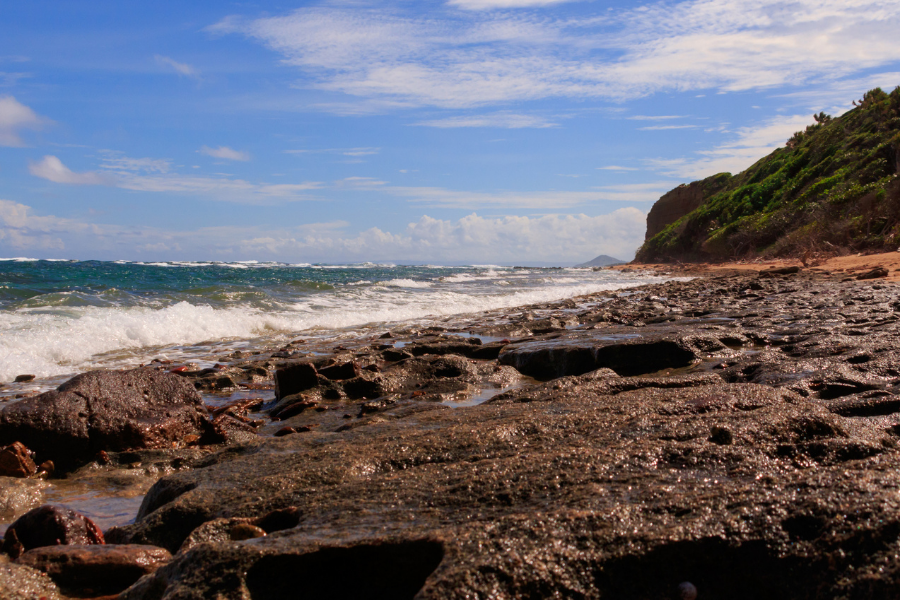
452	131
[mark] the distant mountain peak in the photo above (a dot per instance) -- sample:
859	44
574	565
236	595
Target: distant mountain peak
601	261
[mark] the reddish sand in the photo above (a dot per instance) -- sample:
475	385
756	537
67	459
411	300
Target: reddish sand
851	265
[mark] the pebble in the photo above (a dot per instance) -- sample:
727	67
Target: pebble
246	531
687	591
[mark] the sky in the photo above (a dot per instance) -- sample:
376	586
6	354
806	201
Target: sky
441	132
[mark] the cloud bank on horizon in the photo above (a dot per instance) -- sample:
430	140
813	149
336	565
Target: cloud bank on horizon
450	131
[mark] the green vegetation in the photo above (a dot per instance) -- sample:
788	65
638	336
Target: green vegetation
832	189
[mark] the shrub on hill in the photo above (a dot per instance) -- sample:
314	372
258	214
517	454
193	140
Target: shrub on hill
832	188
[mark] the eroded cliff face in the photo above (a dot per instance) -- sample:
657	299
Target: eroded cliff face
681	201
833	188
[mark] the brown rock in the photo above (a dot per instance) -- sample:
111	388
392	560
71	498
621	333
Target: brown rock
105	410
15	461
24	378
246	531
294	379
82	569
875	273
340	371
50	525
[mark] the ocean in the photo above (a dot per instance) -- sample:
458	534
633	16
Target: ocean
62	317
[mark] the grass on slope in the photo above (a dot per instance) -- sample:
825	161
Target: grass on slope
833	188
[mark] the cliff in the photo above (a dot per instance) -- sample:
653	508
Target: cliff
831	189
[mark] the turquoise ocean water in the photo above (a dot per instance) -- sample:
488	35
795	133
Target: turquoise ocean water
64	317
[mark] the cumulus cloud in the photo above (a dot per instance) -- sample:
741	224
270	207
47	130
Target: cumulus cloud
15	116
180	68
748	146
52	169
225	152
473	238
457	59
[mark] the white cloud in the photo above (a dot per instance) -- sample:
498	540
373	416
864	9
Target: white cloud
149	165
470	239
457	60
180	68
654	117
751	144
152	175
666	127
501	120
445	198
361	151
15	116
501	4
51	168
225	152
617	168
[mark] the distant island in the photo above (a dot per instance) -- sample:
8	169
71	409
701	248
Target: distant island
601	261
831	190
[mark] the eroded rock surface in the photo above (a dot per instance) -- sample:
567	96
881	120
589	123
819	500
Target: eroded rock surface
739	433
105	411
95	570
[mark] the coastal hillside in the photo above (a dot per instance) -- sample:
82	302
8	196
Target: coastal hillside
831	189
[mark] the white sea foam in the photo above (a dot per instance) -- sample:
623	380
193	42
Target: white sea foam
68	339
406	283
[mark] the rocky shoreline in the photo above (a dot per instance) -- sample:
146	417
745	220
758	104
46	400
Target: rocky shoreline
733	436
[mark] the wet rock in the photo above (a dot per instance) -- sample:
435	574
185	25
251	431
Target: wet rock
241	528
49	526
91	570
16	461
18	496
394	355
780	271
105	410
340	371
24	378
18	582
875	273
295	378
246	531
550	359
489	492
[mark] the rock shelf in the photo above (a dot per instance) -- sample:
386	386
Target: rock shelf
735	435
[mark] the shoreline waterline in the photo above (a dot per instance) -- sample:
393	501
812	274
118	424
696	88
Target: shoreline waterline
60	318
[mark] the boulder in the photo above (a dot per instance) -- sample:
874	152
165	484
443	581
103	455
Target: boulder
49	525
295	378
105	410
94	570
549	359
